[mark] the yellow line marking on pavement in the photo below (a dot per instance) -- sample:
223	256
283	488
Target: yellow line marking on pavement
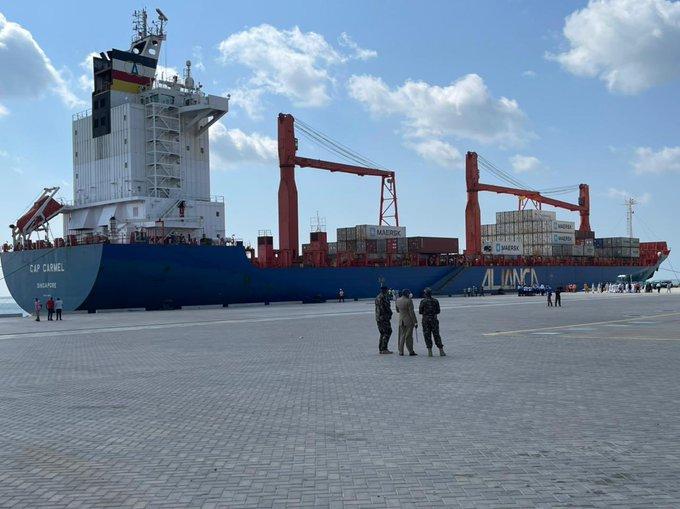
556	327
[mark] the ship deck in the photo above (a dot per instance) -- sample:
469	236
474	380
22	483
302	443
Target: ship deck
290	405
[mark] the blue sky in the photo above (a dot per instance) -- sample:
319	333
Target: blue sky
556	92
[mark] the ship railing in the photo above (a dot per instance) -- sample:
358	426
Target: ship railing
82	114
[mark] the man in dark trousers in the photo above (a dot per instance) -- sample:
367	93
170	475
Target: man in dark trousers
558	296
429	308
549	292
383	317
50	308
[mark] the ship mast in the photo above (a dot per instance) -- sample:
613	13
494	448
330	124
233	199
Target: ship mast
629	203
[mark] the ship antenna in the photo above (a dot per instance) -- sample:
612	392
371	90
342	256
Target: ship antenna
139	24
629	203
317	224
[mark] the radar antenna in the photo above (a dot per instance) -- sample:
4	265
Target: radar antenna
162	19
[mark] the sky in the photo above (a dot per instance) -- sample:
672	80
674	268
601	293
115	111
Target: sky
554	93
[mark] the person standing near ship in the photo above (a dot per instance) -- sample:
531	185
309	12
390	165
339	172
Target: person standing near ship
429	308
37	305
341	295
58	307
558	296
50	308
407	322
383	317
549	292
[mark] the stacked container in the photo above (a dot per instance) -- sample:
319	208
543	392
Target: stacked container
537	231
617	247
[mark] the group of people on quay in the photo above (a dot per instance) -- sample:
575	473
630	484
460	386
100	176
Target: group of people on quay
429	309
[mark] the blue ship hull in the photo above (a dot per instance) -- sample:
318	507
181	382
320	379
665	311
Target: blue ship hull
109	276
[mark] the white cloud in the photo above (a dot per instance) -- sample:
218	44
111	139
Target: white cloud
439	152
631	45
525	164
290	63
248	99
230	147
529	74
464	109
166	73
357	52
27	71
197	55
85	80
3	111
620	194
647	160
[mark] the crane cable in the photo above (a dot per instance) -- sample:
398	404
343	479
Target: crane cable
507	177
326	142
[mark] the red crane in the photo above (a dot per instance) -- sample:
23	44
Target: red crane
473	223
288	200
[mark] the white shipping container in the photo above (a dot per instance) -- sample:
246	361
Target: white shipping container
562	226
504	248
544	215
372	232
562	238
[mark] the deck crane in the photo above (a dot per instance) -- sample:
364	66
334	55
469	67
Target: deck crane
473	224
288	200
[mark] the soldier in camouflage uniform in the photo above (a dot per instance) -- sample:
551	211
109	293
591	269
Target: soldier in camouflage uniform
383	317
429	308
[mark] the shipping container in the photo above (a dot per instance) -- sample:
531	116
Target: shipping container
562	238
588	250
432	245
504	248
562	226
332	248
369	231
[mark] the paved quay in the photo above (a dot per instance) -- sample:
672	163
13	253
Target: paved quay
290	405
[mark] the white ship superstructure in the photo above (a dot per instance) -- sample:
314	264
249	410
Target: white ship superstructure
141	155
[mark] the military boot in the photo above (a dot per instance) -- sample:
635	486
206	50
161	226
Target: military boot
429	352
441	352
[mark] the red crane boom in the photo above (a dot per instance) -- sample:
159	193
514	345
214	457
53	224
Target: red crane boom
473	223
288	199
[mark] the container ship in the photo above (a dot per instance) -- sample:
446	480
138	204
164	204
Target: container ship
144	231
